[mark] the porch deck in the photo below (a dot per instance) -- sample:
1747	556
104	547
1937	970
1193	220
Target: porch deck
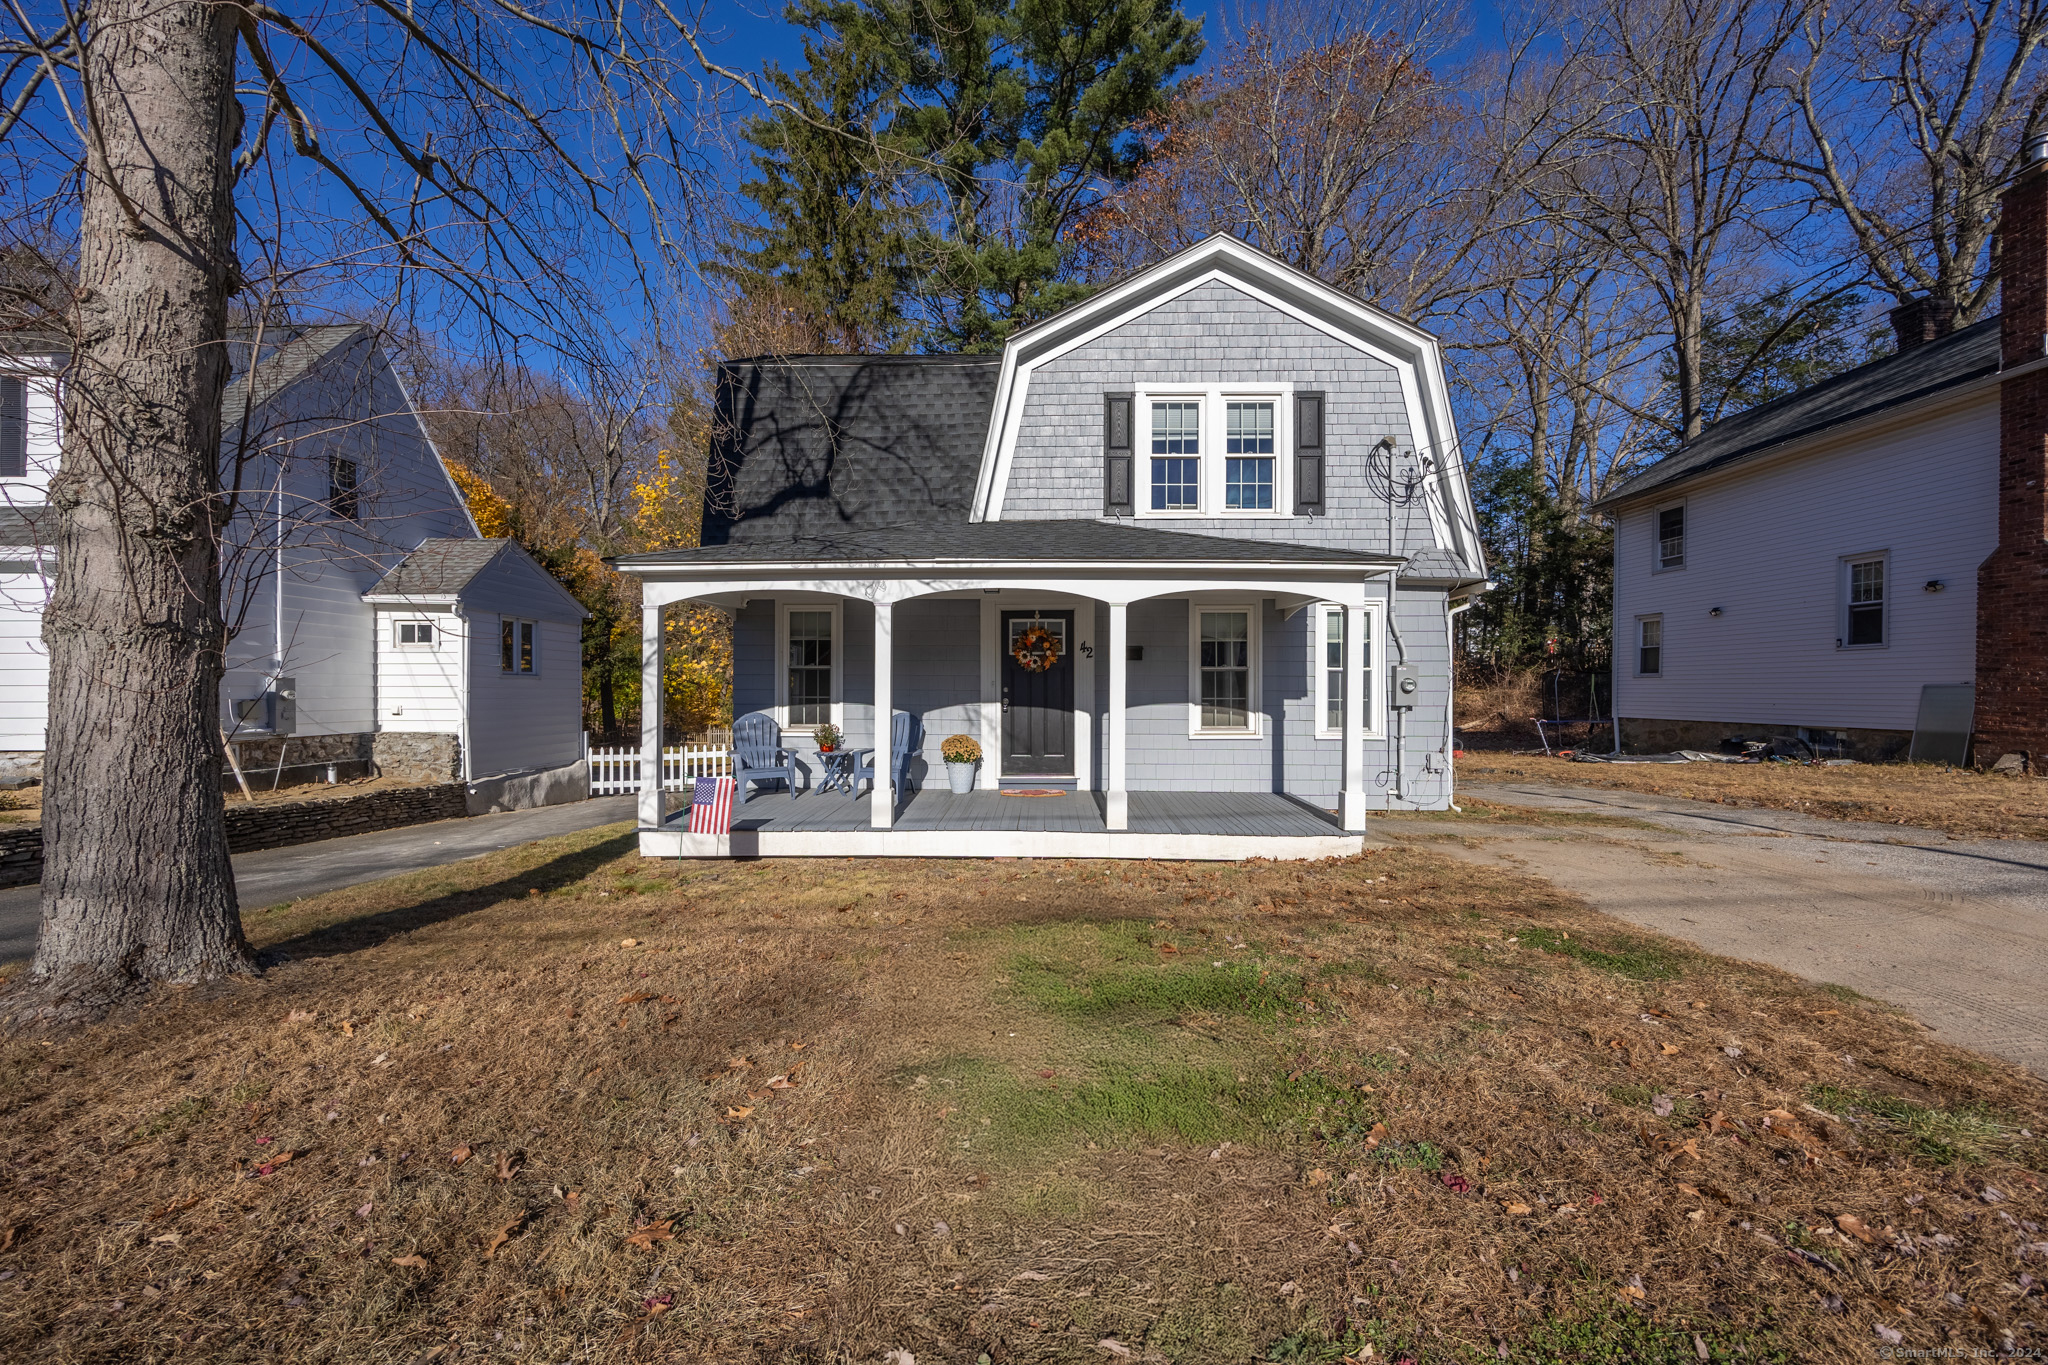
978	824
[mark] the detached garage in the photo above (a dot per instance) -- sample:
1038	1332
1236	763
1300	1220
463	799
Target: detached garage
480	675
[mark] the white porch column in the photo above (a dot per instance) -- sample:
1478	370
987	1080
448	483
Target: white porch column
1116	798
882	805
653	804
1351	804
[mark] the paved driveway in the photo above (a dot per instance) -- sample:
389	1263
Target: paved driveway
272	876
1956	931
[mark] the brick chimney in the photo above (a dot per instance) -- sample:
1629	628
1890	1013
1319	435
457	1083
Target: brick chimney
1919	321
2012	585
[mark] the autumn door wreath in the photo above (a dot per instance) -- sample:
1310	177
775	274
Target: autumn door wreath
1035	649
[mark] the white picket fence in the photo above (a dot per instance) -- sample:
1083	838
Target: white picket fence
616	772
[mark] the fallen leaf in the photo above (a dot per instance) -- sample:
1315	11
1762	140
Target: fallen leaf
1376	1136
646	1237
1670	1049
739	1111
1630	1291
1662	1106
460	1154
1718	1122
781	1083
1684	1188
1319	1176
508	1165
1855	1227
364	1210
1515	1208
629	943
899	1358
636	997
1031	1275
301	1017
572	1199
169	1239
798	1047
1114	1347
504	1235
348	1028
417	1262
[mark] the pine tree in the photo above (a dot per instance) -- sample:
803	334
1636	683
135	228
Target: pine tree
977	133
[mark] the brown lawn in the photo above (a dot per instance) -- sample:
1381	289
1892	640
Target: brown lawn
1956	801
562	1104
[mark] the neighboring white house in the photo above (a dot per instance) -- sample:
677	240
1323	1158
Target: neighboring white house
342	508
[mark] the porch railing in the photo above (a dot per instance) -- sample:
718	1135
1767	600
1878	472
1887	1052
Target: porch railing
616	771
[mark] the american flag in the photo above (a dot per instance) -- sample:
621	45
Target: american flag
711	806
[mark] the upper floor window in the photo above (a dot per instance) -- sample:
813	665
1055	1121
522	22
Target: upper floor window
1176	456
342	494
1863	601
13	428
1650	646
515	645
1671	538
1248	457
415	633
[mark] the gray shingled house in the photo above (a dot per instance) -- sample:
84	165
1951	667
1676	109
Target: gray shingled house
1182	559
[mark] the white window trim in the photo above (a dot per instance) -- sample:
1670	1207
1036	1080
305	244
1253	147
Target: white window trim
1214	415
1636	647
1375	712
1254	658
1842	566
498	644
782	610
432	642
1657	564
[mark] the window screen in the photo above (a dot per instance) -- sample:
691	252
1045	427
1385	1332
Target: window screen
810	667
1226	667
1176	451
1866	602
1650	645
415	633
1671	538
1248	457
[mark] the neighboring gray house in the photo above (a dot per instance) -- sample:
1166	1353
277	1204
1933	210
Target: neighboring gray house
354	647
1183	556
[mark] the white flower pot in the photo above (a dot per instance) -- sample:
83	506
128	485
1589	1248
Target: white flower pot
960	777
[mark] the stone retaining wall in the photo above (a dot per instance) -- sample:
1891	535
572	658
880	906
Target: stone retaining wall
1645	736
276	824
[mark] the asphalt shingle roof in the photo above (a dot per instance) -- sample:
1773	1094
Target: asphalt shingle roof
1960	357
1052	541
27	526
276	362
441	567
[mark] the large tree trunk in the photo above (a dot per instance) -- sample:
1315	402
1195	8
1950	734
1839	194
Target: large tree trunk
137	887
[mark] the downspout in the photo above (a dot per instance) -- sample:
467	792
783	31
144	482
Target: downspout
462	727
1451	700
1400	713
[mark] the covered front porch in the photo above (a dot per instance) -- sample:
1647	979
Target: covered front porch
938	823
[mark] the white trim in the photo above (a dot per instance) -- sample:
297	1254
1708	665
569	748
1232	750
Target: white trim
783	607
1657	564
1375	710
1213	405
432	642
1843	566
1663	646
892	843
533	654
992	639
1254	667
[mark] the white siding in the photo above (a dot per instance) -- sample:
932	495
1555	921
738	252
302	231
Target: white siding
24	664
419	688
40	394
1765	545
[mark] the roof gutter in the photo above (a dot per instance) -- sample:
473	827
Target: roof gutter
726	568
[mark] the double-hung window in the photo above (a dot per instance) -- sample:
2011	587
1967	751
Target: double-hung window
809	679
516	646
1671	538
1650	646
1225	647
1177	455
1863	601
1248	457
1334	689
344	492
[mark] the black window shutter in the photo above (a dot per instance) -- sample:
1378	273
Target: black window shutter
13	428
1308	454
1116	455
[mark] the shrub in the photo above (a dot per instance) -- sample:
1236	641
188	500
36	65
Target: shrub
960	749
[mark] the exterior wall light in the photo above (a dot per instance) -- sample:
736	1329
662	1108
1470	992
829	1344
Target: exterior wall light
1935	585
1713	611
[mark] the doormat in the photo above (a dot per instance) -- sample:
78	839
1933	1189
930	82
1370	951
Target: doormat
1032	791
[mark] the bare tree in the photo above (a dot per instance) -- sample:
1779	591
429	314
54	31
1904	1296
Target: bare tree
1915	118
1677	168
479	149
